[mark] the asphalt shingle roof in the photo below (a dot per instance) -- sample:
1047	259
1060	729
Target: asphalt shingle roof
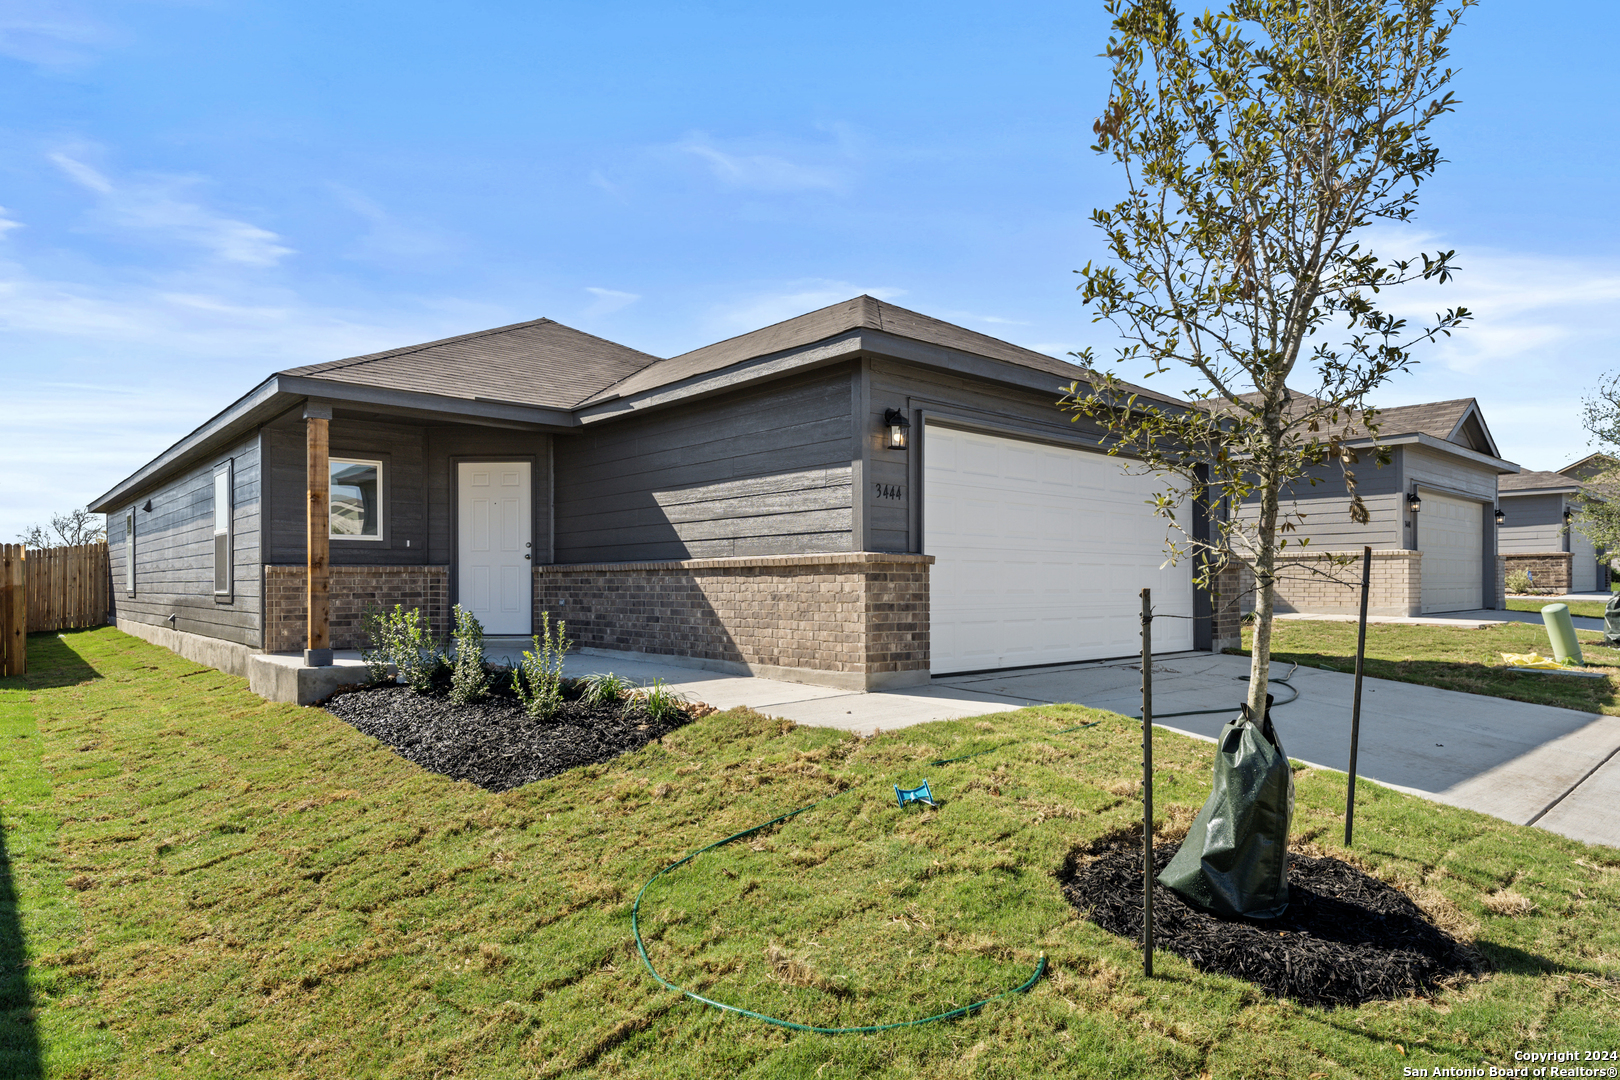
1536	481
542	363
860	313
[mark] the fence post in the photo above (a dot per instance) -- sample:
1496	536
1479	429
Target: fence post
15	616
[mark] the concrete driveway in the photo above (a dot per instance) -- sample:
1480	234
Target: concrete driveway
1529	764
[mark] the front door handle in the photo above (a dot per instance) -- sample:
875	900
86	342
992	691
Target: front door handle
528	556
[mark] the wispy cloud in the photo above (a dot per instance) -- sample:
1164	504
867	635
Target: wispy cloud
608	301
54	36
162	208
387	238
756	311
7	222
776	165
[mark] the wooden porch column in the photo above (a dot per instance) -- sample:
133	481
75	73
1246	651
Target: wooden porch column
319	652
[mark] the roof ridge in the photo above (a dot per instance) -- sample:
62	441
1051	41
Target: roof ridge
406	350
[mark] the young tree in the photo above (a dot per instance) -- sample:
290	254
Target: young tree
1599	514
70	530
1259	142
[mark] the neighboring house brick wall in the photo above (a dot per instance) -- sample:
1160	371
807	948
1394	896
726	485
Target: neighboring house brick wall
353	590
857	619
1550	570
1309	583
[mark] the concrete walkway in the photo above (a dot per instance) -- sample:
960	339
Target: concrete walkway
1529	764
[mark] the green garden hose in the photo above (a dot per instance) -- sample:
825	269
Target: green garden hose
635	927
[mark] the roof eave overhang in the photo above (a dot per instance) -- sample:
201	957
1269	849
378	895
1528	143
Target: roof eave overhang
1429	442
1571	489
279	393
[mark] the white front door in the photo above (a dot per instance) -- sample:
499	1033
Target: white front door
1451	535
1041	554
494	545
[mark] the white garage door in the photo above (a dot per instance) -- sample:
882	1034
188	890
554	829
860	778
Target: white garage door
1041	554
1451	537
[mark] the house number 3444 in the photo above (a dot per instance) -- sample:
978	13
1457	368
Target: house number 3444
889	491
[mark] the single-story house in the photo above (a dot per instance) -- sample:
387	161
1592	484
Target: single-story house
1537	536
861	496
1431	518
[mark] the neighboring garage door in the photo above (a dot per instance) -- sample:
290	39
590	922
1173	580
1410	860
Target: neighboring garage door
1583	563
1041	554
1451	537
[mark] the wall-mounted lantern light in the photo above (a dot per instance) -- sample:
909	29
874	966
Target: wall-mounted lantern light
1413	503
1569	515
898	426
148	506
1501	518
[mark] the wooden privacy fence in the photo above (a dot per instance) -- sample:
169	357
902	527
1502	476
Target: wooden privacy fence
67	587
49	589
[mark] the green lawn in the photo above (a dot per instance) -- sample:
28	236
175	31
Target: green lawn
1591	609
206	885
1454	658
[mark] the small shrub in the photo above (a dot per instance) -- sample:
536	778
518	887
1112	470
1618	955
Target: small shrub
411	646
378	650
1518	582
605	689
538	678
469	679
660	702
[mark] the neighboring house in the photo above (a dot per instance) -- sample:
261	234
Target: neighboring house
1431	518
1536	534
861	496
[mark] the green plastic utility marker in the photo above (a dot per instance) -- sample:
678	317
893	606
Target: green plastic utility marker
1561	631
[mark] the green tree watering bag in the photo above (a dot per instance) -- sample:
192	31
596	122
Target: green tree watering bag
1235	858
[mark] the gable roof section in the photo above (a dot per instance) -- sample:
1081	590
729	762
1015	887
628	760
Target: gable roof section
1589	466
1536	482
824	324
542	363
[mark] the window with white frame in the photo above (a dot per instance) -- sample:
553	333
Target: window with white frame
129	552
356	499
222	530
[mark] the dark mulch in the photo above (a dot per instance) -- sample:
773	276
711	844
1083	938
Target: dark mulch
1346	938
495	744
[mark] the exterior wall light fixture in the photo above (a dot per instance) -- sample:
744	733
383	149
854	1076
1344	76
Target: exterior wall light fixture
1413	503
899	427
1501	518
1568	515
148	507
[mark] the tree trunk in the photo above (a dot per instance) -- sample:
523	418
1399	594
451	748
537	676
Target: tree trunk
1265	575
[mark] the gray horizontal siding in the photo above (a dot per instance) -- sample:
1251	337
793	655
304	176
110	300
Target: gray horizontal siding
174	553
1535	523
762	472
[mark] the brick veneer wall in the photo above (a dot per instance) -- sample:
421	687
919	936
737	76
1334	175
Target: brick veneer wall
1551	569
1309	582
1227	605
857	619
353	589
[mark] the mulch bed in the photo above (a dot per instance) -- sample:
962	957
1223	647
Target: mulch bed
1346	938
495	744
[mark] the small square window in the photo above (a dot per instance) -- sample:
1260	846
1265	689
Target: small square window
356	499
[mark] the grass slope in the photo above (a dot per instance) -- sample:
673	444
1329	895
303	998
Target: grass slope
1454	658
1592	609
210	885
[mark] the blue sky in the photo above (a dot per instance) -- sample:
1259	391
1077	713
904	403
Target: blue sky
196	194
